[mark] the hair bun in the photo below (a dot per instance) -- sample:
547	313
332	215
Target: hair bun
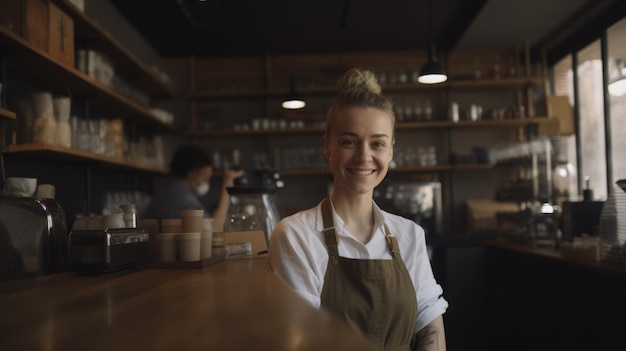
356	79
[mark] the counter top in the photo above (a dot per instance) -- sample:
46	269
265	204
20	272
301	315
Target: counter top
232	305
551	254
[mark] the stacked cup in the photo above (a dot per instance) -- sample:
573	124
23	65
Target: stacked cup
206	240
167	239
189	239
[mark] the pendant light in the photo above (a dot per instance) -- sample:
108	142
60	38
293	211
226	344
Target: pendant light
293	100
432	72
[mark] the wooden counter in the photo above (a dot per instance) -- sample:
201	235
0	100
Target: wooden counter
233	305
555	256
545	301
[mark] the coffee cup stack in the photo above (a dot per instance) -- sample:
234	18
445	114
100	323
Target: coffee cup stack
206	238
168	251
186	239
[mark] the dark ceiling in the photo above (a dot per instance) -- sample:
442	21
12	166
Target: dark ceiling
179	28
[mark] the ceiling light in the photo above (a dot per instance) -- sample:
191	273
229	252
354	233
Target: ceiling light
293	100
432	72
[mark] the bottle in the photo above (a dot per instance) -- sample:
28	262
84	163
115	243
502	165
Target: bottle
587	191
477	71
496	68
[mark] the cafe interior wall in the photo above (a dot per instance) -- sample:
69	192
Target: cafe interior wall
301	191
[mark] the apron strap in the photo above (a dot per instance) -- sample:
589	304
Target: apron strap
393	244
330	234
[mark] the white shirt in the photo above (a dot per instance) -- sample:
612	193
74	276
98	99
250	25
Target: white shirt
298	255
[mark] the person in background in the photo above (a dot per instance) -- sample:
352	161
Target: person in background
346	255
191	170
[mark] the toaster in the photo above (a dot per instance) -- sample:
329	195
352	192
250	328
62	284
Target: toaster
33	239
102	250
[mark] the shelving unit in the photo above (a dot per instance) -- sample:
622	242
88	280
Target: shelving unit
93	174
60	153
39	66
261	82
140	75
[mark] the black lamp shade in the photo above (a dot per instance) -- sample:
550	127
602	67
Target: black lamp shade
293	100
432	72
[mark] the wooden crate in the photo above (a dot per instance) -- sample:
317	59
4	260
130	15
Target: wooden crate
60	36
35	23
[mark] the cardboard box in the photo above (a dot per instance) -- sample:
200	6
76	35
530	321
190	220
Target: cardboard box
253	241
35	23
560	116
61	36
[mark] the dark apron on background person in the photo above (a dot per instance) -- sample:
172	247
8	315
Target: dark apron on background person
376	297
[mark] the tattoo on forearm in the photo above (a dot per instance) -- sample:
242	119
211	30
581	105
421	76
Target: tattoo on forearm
427	339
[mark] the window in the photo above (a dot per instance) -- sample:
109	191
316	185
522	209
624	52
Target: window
591	109
588	97
616	61
565	146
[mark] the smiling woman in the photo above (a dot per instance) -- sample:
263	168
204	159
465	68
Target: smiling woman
366	266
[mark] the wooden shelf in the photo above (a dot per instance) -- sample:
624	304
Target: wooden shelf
55	152
506	83
126	64
39	66
6	114
505	123
433	168
498	123
472	167
313	171
386	88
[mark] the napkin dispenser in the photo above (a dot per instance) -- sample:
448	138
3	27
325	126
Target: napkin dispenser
102	250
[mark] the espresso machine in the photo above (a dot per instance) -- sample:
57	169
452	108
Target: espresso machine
417	201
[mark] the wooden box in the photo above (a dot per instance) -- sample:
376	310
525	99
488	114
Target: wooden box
35	23
560	116
61	36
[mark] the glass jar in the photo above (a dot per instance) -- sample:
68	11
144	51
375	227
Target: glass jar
251	209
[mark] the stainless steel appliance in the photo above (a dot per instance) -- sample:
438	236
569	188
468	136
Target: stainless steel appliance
33	239
417	201
580	217
101	250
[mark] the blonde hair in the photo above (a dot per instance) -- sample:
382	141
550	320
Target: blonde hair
358	88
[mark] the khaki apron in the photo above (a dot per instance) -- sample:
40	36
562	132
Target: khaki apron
374	296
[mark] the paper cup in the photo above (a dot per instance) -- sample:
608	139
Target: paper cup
171	225
206	245
113	221
188	246
207	225
192	220
167	247
45	191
